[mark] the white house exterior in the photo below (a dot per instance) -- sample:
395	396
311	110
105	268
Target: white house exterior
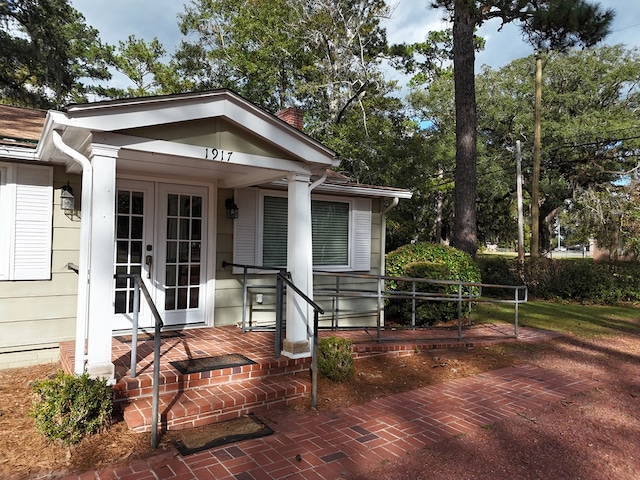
151	179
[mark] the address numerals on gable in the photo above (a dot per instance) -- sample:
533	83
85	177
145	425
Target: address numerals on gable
219	155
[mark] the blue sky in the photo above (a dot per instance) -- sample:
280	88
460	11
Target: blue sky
411	21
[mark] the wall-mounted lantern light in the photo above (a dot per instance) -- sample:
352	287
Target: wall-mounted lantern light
232	208
67	200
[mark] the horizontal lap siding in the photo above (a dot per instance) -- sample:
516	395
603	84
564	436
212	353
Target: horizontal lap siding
36	315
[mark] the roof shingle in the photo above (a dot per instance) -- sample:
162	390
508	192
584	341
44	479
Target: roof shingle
21	127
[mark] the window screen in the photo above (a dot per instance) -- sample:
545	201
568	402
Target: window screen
274	237
330	232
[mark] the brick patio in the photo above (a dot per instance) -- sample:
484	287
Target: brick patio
191	400
357	439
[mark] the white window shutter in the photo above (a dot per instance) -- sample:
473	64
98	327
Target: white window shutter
245	228
31	259
362	234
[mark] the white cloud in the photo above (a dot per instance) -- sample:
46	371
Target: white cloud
410	22
146	19
413	20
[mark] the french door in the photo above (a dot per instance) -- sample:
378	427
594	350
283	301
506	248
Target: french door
161	236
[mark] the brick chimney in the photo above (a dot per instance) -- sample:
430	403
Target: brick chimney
293	116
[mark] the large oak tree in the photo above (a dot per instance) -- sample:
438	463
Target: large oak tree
591	142
322	55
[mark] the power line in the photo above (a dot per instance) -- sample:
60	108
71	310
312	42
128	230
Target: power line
625	28
596	142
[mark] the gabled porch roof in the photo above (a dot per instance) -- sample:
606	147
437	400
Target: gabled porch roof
142	129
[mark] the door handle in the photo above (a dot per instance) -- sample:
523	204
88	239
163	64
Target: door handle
149	262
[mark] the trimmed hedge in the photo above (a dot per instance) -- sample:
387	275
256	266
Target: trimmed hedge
430	261
580	280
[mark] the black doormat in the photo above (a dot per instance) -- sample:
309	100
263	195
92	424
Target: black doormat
209	436
144	337
204	364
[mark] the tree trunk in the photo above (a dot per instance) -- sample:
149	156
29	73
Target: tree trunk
464	227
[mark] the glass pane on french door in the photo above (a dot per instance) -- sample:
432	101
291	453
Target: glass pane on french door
129	245
183	252
134	214
182	239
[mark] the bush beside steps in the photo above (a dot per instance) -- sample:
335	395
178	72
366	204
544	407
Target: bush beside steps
335	359
69	407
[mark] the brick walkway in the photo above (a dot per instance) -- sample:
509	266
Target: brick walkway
357	439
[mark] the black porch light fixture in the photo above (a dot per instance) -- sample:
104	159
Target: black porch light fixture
67	200
232	208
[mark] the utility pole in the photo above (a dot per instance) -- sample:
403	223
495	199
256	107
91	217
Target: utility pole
537	142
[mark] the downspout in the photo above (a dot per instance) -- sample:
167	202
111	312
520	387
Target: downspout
383	235
318	182
85	253
383	241
315	184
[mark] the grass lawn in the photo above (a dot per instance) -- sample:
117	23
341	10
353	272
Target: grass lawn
584	321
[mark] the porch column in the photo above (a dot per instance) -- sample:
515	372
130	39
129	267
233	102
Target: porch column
300	264
103	159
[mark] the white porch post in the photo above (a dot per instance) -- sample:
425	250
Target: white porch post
300	264
103	159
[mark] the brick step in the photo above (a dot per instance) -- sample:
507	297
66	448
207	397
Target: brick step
216	403
172	381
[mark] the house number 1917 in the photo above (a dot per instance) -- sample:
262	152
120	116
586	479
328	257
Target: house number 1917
216	154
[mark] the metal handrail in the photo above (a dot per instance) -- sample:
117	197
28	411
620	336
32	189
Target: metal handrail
466	292
282	279
245	284
469	292
138	285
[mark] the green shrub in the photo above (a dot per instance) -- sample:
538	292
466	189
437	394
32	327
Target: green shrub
335	359
498	270
429	261
436	270
580	280
68	407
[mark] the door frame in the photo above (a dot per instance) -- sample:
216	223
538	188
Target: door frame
186	316
209	246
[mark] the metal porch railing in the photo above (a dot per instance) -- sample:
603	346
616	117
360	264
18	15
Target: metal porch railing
158	324
464	293
283	281
344	287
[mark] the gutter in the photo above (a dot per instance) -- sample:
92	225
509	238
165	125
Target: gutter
383	240
309	293
85	250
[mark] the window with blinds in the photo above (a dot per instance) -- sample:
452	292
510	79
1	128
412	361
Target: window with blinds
274	232
330	232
